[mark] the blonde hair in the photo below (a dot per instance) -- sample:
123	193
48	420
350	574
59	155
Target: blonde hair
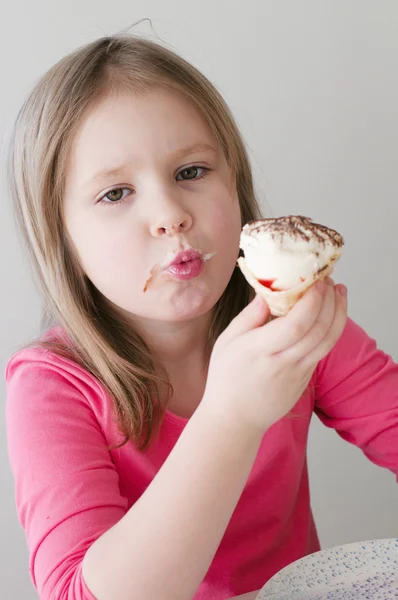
98	340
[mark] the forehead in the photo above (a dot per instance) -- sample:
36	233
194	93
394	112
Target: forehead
123	124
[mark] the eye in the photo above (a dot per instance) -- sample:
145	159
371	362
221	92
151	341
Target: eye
190	173
115	196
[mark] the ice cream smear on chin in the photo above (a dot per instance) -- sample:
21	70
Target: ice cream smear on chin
284	256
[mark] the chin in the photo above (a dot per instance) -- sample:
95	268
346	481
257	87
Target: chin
185	305
185	310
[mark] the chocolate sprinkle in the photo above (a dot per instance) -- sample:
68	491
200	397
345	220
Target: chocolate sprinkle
297	226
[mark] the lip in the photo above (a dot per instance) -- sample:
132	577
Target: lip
187	264
183	257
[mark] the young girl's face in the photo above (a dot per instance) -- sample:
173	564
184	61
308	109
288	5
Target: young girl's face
145	183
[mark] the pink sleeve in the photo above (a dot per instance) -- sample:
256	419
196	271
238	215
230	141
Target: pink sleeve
357	394
67	491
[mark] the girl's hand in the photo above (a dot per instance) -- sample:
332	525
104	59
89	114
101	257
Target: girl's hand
259	370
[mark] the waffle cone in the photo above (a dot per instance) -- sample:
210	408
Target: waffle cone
281	302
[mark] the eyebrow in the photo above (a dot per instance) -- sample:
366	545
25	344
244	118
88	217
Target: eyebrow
117	170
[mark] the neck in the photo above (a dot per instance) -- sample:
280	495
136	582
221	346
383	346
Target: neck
182	350
173	343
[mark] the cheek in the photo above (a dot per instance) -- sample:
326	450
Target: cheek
109	259
226	226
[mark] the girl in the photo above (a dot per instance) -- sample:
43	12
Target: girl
148	428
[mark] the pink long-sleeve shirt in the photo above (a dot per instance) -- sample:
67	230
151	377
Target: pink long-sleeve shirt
70	488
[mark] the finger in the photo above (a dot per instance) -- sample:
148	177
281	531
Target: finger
320	327
254	315
334	333
288	330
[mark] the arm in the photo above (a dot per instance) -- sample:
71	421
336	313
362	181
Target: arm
357	394
75	519
66	486
164	545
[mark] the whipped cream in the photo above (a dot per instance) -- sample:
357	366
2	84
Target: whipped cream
284	252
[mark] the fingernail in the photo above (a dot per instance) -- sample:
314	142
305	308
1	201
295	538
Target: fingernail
320	285
342	290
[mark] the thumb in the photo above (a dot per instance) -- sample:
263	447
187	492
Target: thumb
253	315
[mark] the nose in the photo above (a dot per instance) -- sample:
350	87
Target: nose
174	229
175	220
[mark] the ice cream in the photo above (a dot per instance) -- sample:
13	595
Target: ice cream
284	256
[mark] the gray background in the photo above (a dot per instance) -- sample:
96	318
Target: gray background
314	87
